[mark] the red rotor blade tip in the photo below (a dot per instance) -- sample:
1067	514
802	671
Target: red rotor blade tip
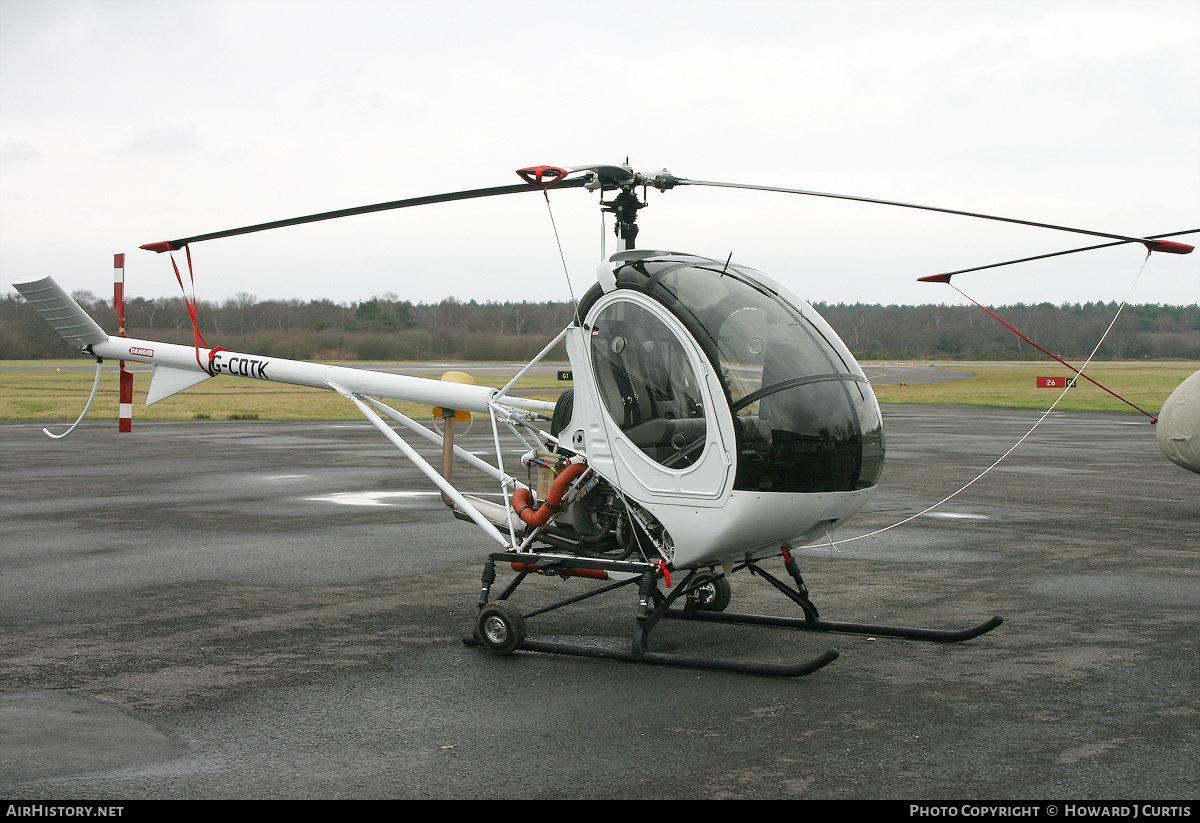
165	245
542	175
1168	247
934	278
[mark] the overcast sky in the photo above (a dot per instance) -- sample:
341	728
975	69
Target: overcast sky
129	121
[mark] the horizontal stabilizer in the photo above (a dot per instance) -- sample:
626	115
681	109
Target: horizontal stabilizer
168	380
62	312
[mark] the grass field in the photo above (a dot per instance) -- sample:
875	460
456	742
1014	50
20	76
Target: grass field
37	390
1014	385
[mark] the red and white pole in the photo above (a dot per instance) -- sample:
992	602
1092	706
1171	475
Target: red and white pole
125	409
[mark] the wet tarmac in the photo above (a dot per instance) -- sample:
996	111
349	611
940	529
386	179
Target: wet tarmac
260	609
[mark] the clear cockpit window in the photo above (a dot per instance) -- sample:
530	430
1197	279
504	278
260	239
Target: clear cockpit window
648	385
806	420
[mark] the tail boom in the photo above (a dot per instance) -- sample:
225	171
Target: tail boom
184	366
179	367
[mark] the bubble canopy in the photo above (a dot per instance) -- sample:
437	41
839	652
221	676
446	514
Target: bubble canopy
805	417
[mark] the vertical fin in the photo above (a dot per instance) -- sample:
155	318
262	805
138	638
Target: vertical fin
62	312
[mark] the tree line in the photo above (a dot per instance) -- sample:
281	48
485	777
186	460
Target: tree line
387	328
1144	331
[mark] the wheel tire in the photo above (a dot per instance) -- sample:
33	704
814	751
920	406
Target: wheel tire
500	627
712	592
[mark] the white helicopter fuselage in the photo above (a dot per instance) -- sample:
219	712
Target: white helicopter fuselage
714	401
721	404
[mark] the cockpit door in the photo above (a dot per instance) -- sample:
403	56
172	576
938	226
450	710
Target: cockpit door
660	411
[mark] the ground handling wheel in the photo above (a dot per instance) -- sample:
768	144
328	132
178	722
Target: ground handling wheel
712	592
500	627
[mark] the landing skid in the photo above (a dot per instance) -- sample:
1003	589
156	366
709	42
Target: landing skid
500	626
803	624
812	621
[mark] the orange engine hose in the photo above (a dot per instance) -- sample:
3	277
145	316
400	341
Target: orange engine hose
530	568
522	499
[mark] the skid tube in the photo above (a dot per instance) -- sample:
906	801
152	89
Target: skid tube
812	619
501	628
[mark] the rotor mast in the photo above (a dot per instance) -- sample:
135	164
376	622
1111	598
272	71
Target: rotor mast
624	207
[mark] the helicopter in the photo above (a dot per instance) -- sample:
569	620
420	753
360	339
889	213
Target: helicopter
716	424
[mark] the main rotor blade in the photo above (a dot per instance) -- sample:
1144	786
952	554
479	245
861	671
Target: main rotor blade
945	277
1151	244
172	245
